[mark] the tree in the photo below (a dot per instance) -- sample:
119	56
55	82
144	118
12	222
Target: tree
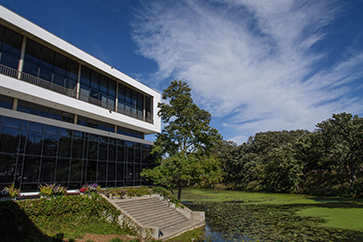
183	146
343	140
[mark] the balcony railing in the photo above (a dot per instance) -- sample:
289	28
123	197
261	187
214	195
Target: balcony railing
8	71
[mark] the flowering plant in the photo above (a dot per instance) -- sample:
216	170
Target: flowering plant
10	191
90	188
51	190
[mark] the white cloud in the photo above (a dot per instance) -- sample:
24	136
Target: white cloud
250	63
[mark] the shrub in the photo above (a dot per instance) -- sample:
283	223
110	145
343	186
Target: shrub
10	191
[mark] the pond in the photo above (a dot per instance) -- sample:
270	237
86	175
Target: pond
235	221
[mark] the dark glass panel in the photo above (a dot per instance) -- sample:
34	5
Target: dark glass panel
137	171
9	140
36	126
91	171
82	121
84	91
50	145
111	152
68	117
92	124
94	93
41	110
137	155
48	170
12	42
31	169
59	79
62	170
25	107
127	132
103	98
101	125
65	143
120	153
2	30
76	168
93	137
121	92
7	168
45	74
47	58
92	150
111	170
30	68
34	143
71	84
101	174
72	69
77	149
112	87
29	187
103	84
120	130
119	184
85	76
51	129
55	114
6	102
110	184
60	64
74	186
9	60
120	171
128	106
128	94
111	102
95	81
103	151
32	51
130	174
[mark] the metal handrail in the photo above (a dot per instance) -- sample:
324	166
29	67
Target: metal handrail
8	71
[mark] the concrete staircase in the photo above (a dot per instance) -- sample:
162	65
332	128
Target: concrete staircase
153	213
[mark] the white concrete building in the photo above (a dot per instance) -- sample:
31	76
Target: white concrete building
67	117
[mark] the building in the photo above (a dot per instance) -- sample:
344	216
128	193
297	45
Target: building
67	117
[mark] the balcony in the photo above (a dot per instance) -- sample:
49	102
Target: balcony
5	70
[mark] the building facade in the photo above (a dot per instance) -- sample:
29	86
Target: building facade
67	117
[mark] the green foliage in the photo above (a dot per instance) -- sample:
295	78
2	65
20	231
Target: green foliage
116	240
72	215
183	147
51	190
195	235
10	191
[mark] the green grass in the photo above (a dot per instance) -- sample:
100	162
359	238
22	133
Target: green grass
343	218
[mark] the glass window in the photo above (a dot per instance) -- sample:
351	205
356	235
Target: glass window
6	102
34	143
50	145
111	171
85	76
103	151
32	51
112	88
7	168
31	68
55	114
59	79
68	117
101	174
103	83
91	171
95	80
31	169
120	170
25	107
36	126
9	60
48	170
51	129
92	150
41	110
72	69
9	140
62	170
76	168
12	122
60	64
45	74
12	42
47	58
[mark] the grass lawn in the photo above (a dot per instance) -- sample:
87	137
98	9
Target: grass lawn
343	218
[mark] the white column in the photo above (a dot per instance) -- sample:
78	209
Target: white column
22	55
79	80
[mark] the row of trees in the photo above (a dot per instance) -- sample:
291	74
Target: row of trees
190	152
283	161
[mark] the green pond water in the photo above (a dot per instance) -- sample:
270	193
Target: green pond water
238	221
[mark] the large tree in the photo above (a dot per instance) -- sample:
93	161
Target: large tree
343	141
183	146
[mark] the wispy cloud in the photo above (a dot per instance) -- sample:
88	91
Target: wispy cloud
252	64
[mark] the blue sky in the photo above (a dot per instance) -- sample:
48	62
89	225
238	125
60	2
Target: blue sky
254	65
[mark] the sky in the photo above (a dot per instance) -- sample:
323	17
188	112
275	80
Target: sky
256	66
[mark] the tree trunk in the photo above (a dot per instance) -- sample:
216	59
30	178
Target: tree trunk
179	190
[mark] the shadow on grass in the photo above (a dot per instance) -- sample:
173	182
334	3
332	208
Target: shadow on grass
16	226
